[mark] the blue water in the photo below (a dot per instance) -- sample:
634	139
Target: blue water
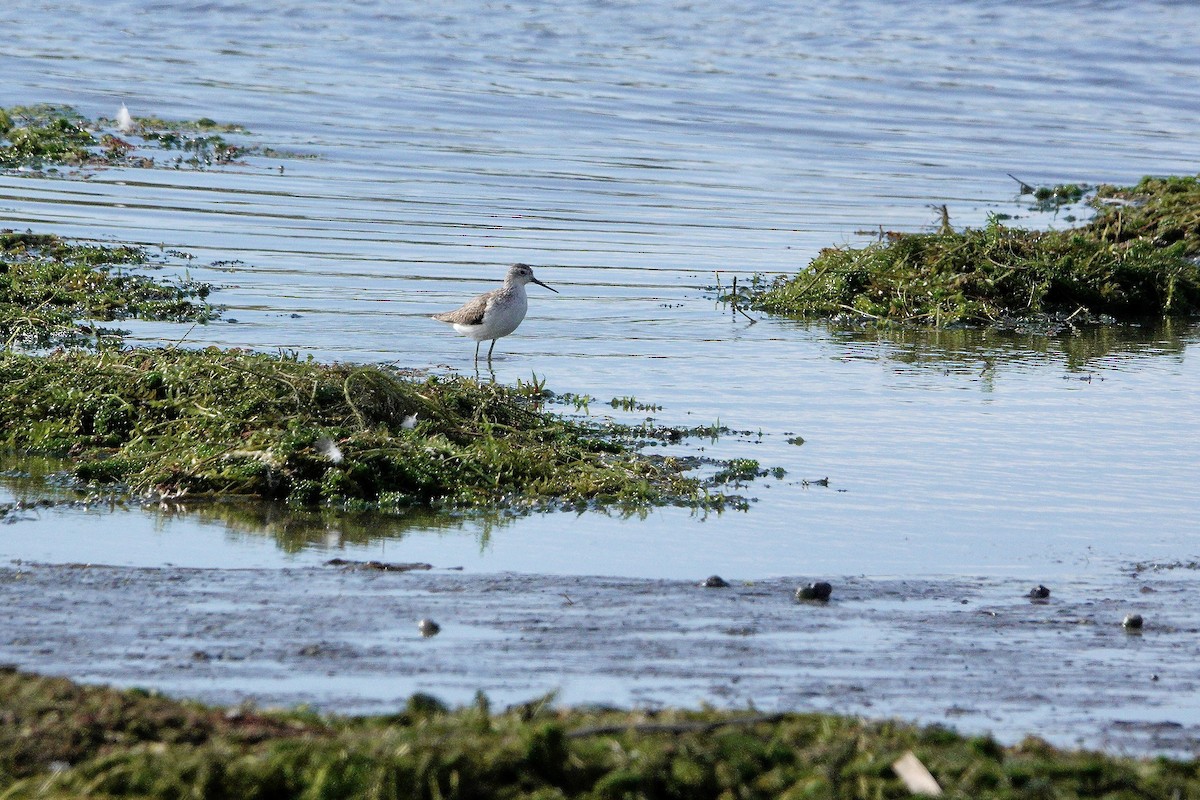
636	154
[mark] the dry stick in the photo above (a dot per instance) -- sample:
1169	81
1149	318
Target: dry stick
1025	187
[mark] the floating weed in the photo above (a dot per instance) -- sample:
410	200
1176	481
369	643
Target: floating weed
1052	198
47	285
580	402
44	136
1135	258
211	424
632	404
60	739
741	470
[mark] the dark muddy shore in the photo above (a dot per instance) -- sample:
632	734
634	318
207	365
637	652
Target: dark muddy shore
976	654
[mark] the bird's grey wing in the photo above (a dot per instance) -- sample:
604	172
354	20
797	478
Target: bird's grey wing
470	314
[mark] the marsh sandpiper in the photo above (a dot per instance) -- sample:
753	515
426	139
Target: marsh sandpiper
496	313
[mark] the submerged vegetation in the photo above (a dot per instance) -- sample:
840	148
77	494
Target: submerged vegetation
47	136
1136	258
47	285
217	423
59	739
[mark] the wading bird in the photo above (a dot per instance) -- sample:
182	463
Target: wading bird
496	313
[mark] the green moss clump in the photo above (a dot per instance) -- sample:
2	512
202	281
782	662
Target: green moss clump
45	134
215	423
48	284
59	739
1160	211
1135	259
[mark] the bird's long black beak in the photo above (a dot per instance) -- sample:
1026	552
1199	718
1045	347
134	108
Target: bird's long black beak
546	285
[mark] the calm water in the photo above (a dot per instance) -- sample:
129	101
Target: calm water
631	153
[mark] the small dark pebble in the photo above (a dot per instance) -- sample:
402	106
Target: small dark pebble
1039	592
821	590
715	582
1132	622
428	628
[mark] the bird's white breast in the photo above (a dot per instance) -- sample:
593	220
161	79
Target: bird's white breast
503	314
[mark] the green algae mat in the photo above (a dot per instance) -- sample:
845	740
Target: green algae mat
228	423
1136	258
55	292
46	137
59	739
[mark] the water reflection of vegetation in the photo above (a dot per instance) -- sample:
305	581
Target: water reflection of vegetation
971	349
295	529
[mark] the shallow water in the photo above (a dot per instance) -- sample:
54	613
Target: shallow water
637	155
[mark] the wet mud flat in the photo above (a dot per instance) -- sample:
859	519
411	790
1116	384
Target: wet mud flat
977	654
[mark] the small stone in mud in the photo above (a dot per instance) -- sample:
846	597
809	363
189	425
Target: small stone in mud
1039	592
714	582
428	628
821	591
1132	622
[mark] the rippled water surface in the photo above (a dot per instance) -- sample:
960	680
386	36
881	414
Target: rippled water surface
632	152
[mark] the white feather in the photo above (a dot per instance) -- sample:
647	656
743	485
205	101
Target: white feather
124	120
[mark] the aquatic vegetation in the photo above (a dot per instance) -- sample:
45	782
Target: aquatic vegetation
739	470
47	285
215	423
1052	198
36	135
633	404
60	739
1136	258
47	135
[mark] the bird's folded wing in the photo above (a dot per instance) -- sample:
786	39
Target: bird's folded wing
470	314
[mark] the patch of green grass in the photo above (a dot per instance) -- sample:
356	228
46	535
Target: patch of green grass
47	285
1135	259
59	739
215	423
